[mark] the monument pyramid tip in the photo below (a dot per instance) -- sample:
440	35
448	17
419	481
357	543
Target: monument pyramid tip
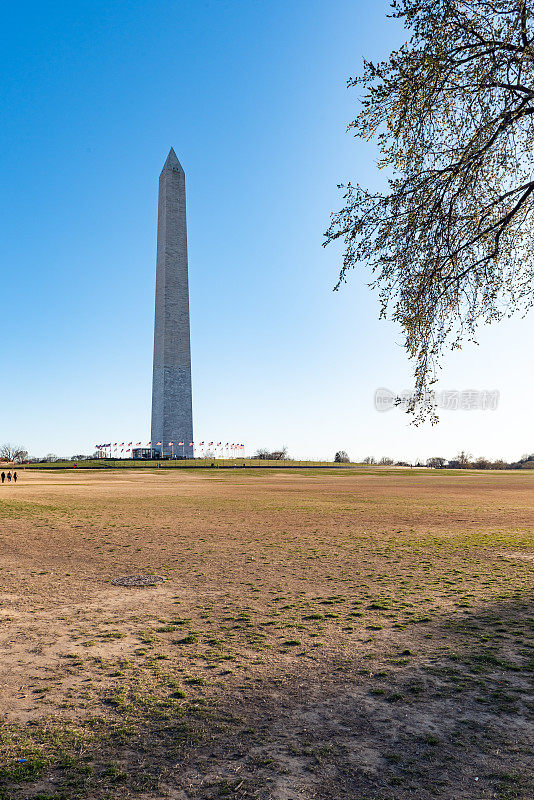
172	162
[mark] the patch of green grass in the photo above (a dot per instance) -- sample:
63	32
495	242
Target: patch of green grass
191	638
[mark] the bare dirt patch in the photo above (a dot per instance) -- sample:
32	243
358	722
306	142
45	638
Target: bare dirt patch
361	634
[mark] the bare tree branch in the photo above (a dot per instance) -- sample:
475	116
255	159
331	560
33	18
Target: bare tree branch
450	243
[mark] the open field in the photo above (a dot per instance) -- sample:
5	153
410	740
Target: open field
353	634
187	463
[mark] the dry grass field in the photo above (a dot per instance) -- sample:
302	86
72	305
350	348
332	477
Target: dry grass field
360	634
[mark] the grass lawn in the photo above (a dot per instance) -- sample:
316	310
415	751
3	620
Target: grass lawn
362	634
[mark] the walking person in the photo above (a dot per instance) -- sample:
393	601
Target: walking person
3	476
9	477
15	477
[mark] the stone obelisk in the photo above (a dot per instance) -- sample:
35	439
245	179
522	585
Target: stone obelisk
172	414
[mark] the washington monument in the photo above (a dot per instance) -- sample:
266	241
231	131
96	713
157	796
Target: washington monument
172	414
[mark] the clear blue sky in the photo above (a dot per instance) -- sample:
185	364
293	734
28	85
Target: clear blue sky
253	97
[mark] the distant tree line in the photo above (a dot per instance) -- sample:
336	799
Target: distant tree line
385	461
271	455
463	460
52	458
14	453
466	461
17	454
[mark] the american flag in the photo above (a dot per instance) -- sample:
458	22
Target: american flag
190	444
201	444
210	444
158	444
171	444
180	444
